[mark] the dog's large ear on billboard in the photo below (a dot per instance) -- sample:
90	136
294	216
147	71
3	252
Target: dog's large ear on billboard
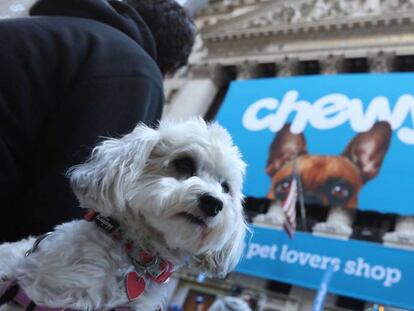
367	150
284	148
100	182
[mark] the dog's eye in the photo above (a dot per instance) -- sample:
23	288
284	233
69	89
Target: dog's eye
185	166
340	192
283	186
225	186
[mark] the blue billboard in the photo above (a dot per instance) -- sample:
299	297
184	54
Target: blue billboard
352	136
363	270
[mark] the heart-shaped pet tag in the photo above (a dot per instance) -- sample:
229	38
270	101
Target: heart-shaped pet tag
134	284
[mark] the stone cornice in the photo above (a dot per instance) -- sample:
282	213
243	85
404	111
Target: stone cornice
303	55
292	16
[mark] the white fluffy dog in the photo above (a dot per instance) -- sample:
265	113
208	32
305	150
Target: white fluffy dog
163	199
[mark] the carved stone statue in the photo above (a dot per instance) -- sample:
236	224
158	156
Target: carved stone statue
298	11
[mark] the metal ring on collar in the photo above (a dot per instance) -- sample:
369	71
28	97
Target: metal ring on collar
36	244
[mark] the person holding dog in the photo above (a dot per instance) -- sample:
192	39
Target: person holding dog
74	72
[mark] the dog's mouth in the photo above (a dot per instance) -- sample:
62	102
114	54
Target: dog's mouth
192	218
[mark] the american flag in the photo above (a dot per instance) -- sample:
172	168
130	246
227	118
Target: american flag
289	206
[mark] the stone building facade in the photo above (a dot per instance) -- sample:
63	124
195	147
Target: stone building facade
247	39
243	39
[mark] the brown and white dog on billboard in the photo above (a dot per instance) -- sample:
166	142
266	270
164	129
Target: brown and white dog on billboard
330	181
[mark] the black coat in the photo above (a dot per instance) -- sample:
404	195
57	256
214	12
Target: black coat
78	71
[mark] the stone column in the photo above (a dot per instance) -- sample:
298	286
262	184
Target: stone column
381	62
332	64
248	70
288	67
196	95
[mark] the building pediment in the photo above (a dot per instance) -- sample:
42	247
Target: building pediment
294	13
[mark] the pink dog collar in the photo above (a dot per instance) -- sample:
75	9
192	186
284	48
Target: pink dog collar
148	265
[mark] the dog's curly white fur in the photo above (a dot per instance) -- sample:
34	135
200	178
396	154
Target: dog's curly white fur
137	181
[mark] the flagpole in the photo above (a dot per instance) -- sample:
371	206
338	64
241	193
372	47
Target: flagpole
300	195
319	302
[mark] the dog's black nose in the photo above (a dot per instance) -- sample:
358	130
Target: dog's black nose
313	199
210	206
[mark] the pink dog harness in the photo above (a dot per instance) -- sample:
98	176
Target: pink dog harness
12	292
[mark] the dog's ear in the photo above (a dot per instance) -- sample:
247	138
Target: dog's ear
367	150
284	148
220	263
100	183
